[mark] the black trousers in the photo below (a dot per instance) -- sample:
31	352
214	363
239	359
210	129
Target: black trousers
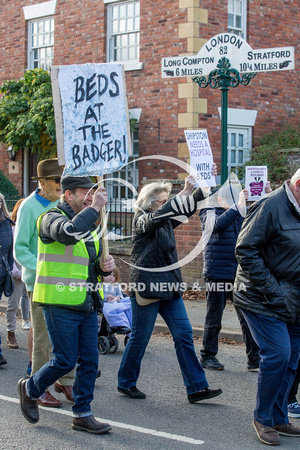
217	293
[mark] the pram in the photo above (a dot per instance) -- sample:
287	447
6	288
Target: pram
107	341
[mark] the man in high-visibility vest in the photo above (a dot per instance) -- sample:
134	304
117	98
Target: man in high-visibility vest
70	260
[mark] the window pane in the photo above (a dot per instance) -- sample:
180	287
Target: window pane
230	5
122	25
131	52
238	21
241	140
114	12
239	7
129	24
233	156
230	20
130	9
233	140
115	26
122	11
241	157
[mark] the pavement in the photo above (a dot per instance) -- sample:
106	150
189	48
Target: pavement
196	310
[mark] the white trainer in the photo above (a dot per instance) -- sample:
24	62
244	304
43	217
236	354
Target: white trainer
26	325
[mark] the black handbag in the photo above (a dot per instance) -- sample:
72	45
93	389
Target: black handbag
9	284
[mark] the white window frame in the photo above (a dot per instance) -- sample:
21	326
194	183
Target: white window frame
39	13
129	64
240	150
233	6
46	61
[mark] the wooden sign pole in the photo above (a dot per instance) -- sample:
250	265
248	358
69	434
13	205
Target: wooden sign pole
105	246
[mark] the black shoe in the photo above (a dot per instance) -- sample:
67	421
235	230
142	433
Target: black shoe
2	360
204	394
253	366
29	407
133	392
121	330
98	373
211	363
90	424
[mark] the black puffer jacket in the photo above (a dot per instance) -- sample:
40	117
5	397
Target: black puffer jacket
154	254
268	252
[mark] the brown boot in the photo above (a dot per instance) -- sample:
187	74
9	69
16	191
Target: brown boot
11	340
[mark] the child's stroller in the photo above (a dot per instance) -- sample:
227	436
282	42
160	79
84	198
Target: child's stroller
107	341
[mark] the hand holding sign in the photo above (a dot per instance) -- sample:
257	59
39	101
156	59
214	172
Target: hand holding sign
99	199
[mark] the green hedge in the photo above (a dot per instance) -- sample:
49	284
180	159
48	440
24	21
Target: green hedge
8	190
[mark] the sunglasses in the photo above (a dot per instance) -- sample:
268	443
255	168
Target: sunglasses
57	180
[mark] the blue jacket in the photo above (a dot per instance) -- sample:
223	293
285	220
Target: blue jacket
220	229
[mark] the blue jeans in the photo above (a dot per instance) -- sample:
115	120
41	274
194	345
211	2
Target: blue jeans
279	344
143	319
74	338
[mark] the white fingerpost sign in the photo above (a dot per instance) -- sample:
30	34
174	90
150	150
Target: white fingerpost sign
241	57
201	157
91	116
256	179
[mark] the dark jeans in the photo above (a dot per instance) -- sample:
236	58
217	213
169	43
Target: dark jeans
279	344
74	338
252	349
143	319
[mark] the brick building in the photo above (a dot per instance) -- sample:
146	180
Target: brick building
140	33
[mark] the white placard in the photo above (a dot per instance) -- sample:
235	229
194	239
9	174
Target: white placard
256	179
201	157
95	122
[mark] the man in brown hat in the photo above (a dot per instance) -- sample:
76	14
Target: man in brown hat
43	199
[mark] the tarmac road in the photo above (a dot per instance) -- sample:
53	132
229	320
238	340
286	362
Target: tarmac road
165	420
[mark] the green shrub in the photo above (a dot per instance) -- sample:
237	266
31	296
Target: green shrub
8	190
268	154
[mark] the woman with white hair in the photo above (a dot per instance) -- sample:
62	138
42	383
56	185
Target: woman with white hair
156	276
6	252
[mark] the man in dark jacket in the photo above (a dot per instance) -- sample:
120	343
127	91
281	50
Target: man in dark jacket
70	260
221	222
267	290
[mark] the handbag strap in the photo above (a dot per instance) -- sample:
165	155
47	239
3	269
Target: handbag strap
4	259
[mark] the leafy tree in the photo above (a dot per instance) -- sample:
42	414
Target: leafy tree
27	114
268	154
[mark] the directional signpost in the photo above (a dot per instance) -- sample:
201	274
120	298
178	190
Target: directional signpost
219	63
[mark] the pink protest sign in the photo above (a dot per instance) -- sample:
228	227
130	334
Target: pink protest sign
256	179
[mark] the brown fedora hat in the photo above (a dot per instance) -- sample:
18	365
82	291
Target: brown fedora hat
48	168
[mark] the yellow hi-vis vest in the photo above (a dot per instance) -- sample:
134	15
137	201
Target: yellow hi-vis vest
62	271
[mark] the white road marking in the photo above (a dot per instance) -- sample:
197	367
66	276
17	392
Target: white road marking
174	437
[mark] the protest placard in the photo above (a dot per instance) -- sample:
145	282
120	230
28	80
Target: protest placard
91	116
201	158
256	179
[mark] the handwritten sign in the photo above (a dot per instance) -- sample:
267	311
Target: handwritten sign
201	158
91	117
256	179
